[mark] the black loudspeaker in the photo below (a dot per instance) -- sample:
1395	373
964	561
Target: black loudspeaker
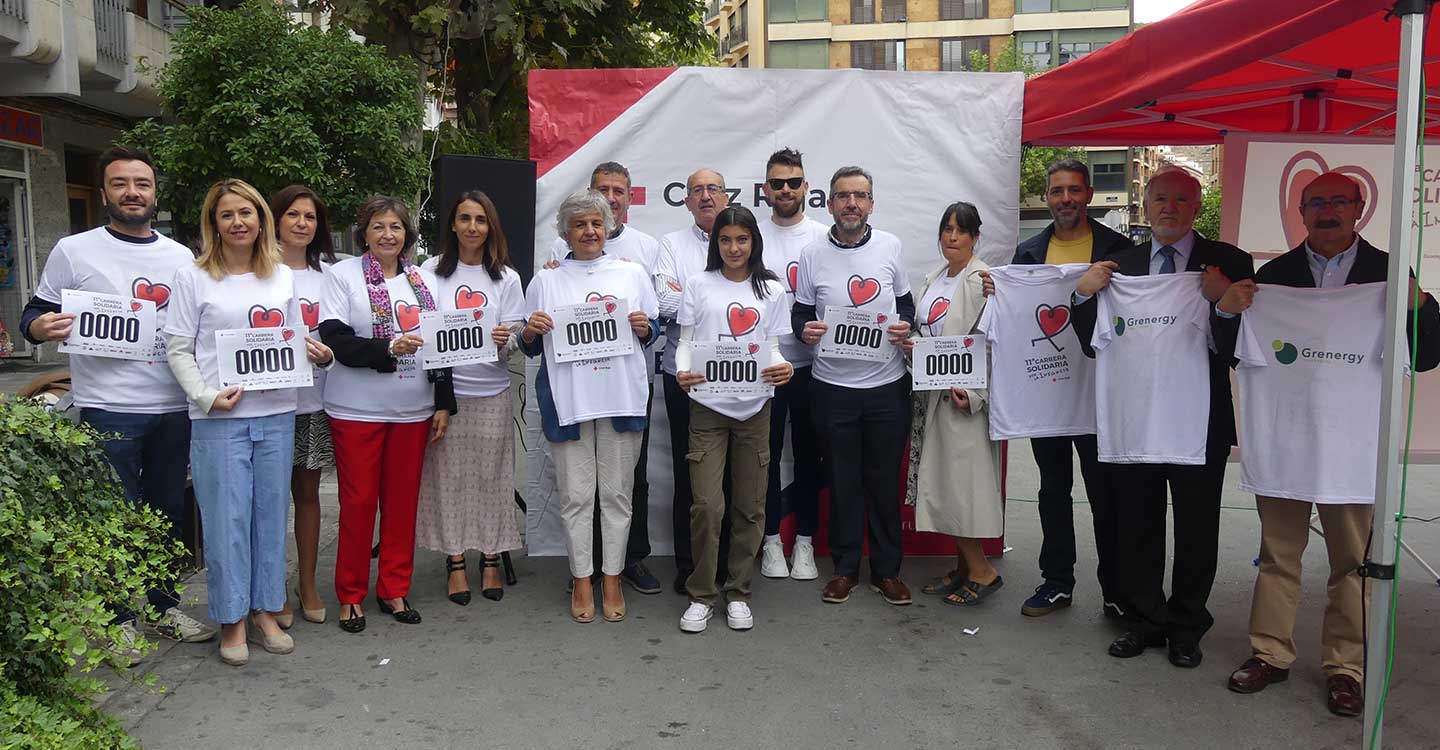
510	183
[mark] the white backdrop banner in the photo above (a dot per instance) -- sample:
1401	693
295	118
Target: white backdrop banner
929	139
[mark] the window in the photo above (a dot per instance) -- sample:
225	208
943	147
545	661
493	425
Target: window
862	11
874	55
1107	171
737	25
963	10
1046	6
955	53
1077	43
1035	46
893	11
798	11
812	53
1034	6
744	62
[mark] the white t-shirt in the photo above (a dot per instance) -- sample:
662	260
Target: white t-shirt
1041	382
591	389
632	245
783	246
309	289
725	310
1310	377
935	306
1152	373
95	261
361	394
682	254
868	277
503	301
200	306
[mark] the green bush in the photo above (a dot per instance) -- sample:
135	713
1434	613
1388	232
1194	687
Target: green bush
71	546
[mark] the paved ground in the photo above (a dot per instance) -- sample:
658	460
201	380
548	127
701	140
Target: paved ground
520	674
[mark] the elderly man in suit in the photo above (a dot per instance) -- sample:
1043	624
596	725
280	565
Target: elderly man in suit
1333	255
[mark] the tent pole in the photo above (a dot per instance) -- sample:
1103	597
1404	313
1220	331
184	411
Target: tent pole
1393	402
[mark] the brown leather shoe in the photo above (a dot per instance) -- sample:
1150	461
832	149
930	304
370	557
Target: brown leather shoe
837	591
1346	696
892	590
1254	675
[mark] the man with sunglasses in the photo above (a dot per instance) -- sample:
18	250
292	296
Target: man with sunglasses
683	254
1333	255
785	235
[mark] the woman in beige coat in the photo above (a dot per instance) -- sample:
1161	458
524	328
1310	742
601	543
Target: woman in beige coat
954	480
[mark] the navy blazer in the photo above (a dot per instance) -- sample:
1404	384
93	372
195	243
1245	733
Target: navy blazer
1106	242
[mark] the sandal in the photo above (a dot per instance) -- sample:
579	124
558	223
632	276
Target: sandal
353	624
971	593
497	593
946	584
457	566
577	613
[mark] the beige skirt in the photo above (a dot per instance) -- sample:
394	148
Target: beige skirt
467	488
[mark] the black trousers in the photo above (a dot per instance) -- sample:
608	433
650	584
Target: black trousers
802	497
1057	511
863	432
1195	494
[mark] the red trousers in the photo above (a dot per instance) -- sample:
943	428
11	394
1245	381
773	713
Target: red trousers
378	467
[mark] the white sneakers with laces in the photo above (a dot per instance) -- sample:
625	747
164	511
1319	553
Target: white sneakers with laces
696	617
127	646
802	562
178	626
772	560
738	616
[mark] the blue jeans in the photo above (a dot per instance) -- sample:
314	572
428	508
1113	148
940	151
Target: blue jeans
241	469
150	456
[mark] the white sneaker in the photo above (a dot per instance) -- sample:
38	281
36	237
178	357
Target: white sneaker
772	560
178	626
802	562
696	616
738	616
127	646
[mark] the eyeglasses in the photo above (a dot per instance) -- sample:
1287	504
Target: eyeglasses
846	195
793	183
700	190
1339	203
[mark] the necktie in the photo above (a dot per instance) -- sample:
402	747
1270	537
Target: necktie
1167	265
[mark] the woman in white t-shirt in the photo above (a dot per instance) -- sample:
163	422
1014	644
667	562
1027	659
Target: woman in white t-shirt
735	301
954	479
383	407
592	411
303	229
241	442
467	490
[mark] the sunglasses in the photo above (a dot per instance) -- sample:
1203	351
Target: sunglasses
793	183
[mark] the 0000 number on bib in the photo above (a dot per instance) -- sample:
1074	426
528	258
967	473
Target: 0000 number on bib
109	325
261	359
945	362
857	334
731	368
456	337
592	330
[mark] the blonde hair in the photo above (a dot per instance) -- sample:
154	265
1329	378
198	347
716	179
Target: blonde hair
264	254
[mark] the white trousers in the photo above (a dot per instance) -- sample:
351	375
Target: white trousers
606	457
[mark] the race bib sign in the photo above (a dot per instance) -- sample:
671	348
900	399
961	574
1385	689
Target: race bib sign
109	325
260	359
946	362
456	337
731	368
592	330
856	334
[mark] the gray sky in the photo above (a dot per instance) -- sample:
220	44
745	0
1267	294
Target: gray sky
1154	10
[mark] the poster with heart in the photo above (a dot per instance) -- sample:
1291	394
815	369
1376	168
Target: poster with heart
110	325
456	337
943	362
731	368
591	330
263	358
857	334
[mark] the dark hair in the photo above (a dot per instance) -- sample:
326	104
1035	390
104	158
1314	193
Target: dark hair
379	205
967	217
610	167
1068	165
497	250
742	217
122	153
785	157
321	246
844	172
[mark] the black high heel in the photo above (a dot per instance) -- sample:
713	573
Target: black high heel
451	566
408	615
497	593
353	624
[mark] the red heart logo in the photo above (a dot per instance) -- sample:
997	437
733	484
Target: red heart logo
465	298
135	305
863	290
967	341
792	274
1052	320
407	316
157	293
938	308
742	319
754	348
881	318
479	314
610	307
598	297
287	334
266	317
310	313
1298	172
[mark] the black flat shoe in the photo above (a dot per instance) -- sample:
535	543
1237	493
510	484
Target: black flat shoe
408	615
451	566
1133	643
497	593
1186	655
353	624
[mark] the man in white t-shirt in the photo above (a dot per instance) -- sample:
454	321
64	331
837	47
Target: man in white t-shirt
786	234
139	401
682	254
862	407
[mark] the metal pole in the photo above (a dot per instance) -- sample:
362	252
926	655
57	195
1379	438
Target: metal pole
1393	403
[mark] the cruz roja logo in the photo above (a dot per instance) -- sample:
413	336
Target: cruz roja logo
1287	353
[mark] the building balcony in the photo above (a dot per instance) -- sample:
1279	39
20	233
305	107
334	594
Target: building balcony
712	13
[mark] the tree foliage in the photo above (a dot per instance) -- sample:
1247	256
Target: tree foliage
1034	160
253	95
1208	222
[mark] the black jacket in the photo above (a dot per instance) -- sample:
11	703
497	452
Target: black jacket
1031	252
1371	265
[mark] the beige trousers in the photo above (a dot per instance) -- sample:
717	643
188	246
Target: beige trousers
606	457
